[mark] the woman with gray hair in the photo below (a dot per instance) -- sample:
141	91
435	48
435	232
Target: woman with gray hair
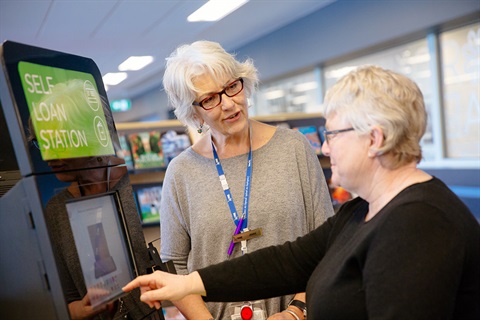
241	176
405	248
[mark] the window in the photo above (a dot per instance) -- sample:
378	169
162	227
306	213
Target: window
450	82
295	94
460	61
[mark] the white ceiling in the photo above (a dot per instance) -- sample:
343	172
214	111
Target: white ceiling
109	31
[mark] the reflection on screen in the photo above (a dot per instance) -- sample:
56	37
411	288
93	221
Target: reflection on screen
102	247
104	263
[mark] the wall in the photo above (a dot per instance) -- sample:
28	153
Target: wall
344	27
151	106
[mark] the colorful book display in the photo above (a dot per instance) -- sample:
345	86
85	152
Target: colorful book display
312	136
153	149
149	204
173	144
126	153
146	149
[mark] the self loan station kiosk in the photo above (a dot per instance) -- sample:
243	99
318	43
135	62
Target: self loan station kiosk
56	123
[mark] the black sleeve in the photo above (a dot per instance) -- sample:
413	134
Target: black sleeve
414	265
272	271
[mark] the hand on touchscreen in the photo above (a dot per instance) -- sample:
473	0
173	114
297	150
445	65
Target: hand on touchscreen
160	286
82	309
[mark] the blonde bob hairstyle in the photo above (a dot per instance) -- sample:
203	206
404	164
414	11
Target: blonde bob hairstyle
372	96
201	58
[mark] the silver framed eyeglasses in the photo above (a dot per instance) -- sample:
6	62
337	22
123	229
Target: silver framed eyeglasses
214	100
329	135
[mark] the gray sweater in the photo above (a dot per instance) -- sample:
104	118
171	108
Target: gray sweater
289	197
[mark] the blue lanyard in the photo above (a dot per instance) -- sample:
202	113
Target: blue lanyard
226	188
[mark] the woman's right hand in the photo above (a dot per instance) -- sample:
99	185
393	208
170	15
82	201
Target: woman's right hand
160	286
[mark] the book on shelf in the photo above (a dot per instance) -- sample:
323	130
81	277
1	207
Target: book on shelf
311	133
146	149
173	144
148	198
126	152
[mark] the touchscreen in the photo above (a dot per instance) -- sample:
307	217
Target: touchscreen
102	246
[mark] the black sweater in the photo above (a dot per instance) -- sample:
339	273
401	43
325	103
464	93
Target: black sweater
418	258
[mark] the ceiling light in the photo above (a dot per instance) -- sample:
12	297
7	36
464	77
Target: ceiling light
135	63
113	79
215	10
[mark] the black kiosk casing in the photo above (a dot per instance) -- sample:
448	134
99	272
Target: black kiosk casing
30	284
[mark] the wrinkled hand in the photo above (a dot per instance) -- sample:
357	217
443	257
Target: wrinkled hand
281	316
160	286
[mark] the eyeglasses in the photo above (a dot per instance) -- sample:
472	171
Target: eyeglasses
329	135
214	100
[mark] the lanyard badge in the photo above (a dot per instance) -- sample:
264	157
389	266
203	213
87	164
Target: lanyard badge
242	222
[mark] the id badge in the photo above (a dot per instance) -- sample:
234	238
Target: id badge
247	235
248	310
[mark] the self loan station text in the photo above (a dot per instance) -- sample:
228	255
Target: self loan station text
43	112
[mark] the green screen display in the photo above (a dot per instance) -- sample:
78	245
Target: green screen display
66	111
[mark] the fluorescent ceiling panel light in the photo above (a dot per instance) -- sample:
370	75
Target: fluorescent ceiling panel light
135	63
215	10
113	79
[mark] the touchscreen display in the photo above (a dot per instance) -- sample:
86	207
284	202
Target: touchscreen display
102	245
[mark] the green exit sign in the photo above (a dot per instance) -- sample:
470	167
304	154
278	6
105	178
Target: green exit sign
120	105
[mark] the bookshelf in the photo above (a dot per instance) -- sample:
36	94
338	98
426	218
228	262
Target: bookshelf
156	175
142	177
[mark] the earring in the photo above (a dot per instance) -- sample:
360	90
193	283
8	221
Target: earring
200	129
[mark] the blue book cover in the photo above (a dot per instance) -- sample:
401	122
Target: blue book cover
311	133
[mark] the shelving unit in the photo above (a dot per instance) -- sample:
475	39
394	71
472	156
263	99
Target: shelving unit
155	176
287	117
150	176
300	119
136	126
147	176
